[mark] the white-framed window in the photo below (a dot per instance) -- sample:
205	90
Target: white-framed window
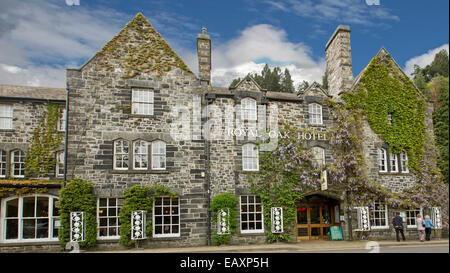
251	213
382	160
140	155
59	164
393	162
6	116
411	216
166	217
250	160
389	118
108	217
404	162
158	155
379	216
249	109
121	154
315	114
318	154
30	218
142	102
3	156
62	120
17	164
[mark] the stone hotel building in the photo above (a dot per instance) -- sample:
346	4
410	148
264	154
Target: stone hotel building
120	126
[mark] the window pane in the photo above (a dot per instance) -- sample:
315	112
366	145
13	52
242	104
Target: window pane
12	227
28	228
12	208
42	207
28	207
42	228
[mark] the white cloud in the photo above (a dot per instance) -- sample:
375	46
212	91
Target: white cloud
257	44
40	39
423	60
342	11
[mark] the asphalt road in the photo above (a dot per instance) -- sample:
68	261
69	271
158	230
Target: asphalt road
392	249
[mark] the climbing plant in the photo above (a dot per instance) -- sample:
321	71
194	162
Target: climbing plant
139	198
153	55
40	158
286	175
383	91
226	202
78	195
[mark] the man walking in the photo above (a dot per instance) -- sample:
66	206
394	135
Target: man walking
398	225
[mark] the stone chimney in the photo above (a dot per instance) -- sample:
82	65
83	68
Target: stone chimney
204	57
339	62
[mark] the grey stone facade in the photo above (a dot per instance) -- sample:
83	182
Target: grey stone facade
199	166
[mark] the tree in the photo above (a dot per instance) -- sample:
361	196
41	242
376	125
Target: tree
421	83
439	66
440	87
303	86
287	85
234	82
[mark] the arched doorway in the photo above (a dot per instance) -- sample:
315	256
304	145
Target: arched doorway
316	213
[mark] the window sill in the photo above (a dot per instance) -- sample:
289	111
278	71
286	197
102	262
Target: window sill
379	228
252	233
393	173
140	116
139	172
6	130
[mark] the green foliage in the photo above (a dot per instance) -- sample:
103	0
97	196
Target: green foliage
303	86
286	175
325	81
224	201
139	198
441	123
78	195
384	90
41	156
154	55
272	80
439	66
287	84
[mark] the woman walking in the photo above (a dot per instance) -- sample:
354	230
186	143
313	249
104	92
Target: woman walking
420	227
428	226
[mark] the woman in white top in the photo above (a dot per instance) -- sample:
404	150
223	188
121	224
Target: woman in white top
420	227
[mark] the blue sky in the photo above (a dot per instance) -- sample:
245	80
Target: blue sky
39	39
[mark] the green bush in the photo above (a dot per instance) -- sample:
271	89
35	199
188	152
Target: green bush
78	195
224	201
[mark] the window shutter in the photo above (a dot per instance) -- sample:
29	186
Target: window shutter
436	217
223	222
277	219
363	218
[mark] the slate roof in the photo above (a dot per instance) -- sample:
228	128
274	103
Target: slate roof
31	92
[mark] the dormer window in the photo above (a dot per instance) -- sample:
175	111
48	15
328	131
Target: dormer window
248	109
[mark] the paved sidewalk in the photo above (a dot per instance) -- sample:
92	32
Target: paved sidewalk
280	247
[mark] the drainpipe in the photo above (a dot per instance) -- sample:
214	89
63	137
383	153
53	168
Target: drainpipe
207	175
66	136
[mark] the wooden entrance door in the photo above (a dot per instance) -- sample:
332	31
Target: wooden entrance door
315	218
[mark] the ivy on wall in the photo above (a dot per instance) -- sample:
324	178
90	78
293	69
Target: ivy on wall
224	201
78	195
153	55
384	90
40	158
139	198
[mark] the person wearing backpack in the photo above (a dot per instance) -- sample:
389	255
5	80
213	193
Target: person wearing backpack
420	227
428	226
